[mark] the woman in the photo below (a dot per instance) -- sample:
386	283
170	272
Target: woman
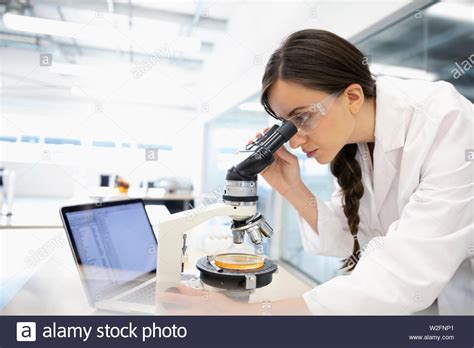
402	216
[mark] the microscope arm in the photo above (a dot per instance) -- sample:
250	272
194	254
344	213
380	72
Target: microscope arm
173	227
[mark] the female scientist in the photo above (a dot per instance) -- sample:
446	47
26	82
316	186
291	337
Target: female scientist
401	151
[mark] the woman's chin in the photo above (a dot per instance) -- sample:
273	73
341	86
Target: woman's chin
322	158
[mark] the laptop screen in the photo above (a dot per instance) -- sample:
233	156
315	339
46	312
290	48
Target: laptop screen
114	244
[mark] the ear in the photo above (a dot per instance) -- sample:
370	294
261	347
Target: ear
355	97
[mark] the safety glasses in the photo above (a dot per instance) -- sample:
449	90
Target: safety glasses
308	119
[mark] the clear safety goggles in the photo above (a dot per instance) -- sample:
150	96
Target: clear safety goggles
308	119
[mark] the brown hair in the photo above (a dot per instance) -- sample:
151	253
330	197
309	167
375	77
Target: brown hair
322	60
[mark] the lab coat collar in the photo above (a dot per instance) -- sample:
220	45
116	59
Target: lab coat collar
390	116
391	110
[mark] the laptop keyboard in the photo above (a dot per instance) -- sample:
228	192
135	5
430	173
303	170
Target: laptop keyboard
145	295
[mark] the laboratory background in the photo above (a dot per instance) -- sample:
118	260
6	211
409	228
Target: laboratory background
108	100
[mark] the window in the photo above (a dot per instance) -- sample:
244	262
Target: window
434	43
7	139
32	139
103	143
61	141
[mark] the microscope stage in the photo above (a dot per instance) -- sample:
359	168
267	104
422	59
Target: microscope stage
236	279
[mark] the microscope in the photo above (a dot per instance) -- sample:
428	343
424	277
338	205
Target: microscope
239	202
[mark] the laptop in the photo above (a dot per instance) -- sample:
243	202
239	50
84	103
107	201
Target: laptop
115	249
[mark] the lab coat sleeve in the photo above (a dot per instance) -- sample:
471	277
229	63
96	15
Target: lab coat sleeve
405	271
334	238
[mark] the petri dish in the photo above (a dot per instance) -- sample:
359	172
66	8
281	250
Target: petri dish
239	261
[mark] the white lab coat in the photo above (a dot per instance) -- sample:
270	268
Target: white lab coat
416	215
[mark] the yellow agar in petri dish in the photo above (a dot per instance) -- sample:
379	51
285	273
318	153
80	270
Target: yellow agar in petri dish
239	261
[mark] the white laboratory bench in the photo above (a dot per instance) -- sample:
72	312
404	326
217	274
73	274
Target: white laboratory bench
38	274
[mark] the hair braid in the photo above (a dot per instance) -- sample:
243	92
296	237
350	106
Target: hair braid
348	173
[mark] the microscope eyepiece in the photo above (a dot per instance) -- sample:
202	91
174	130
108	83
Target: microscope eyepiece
287	130
262	157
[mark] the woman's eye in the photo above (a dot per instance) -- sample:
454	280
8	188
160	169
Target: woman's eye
301	119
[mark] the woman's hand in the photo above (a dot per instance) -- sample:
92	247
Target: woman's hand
284	172
183	300
285	177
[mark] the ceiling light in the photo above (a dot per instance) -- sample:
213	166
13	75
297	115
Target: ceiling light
43	26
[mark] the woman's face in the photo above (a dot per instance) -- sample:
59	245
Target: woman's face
334	128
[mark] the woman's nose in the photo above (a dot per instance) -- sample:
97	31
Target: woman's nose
297	140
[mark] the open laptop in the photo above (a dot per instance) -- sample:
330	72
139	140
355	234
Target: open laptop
115	249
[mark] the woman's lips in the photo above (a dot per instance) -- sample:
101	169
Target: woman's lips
311	153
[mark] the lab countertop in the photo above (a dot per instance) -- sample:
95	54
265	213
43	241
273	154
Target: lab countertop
39	276
36	213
